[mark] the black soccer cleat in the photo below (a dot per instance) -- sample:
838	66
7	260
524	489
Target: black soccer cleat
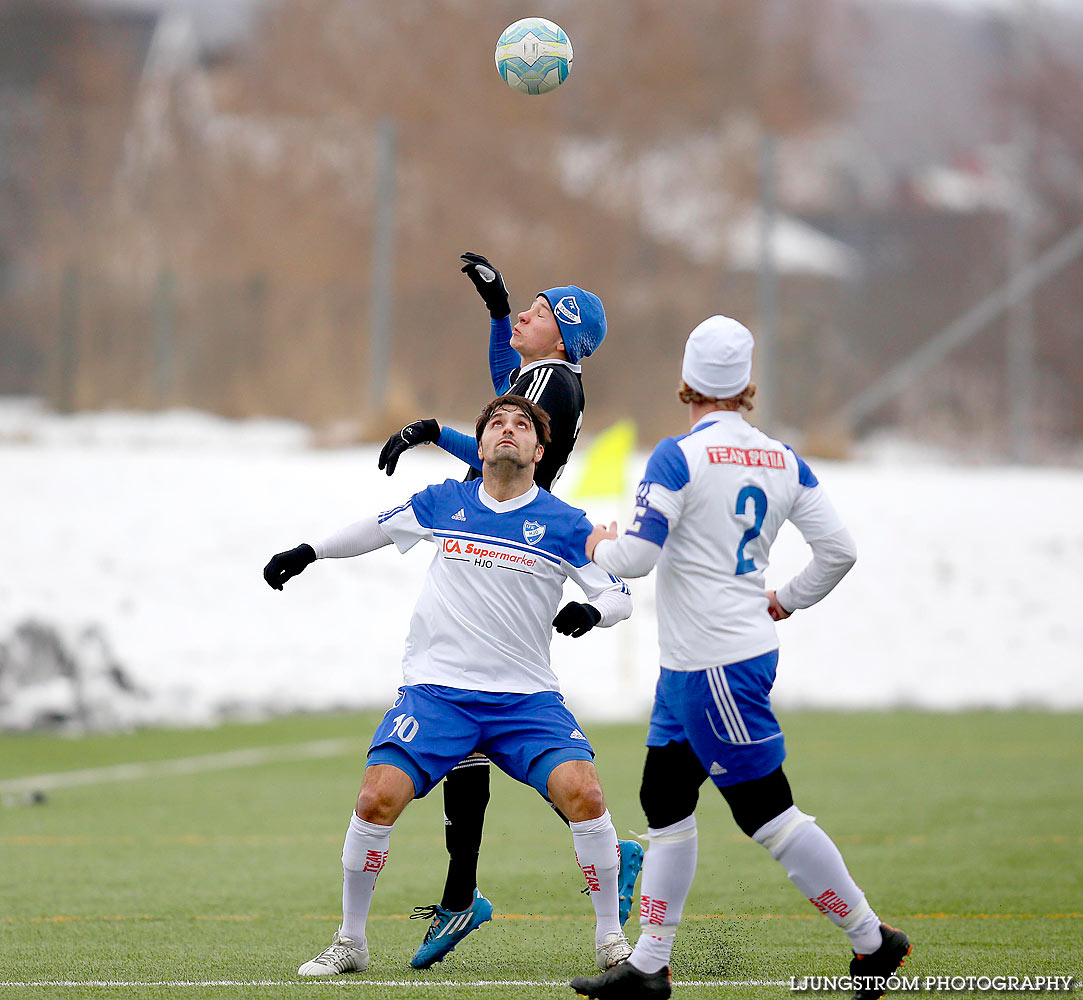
625	982
872	971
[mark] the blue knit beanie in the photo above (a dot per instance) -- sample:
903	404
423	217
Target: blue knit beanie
580	317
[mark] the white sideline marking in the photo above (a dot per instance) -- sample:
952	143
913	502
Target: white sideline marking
342	981
179	765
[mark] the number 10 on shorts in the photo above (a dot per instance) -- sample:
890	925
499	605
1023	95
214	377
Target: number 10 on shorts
405	727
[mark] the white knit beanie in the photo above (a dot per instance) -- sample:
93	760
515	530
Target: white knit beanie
718	358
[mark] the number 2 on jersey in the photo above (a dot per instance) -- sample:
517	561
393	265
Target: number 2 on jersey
759	501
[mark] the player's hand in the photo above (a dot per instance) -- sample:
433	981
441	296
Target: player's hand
576	619
488	282
286	565
598	534
774	609
419	432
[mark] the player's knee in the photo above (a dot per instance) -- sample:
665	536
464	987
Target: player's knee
756	803
380	803
373	806
665	806
583	800
572	786
774	834
669	791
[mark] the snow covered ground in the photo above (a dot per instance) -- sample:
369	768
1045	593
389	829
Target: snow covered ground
154	529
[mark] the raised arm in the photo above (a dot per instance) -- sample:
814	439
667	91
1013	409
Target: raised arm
462	446
503	360
404	525
353	540
490	286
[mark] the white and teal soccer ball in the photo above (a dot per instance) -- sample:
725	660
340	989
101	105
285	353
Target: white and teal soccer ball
534	55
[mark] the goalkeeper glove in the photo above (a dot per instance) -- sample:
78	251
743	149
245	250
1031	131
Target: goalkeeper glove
488	282
286	565
576	619
419	432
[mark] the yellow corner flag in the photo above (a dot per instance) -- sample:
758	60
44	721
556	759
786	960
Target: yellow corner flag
607	461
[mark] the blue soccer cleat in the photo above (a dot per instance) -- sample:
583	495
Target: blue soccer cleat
631	861
448	928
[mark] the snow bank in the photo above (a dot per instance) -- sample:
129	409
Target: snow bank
151	531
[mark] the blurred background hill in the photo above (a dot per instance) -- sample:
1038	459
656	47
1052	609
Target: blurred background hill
257	208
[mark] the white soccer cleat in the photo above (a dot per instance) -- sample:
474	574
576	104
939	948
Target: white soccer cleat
343	956
613	950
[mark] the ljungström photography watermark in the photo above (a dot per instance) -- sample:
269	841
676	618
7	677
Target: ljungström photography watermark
933	984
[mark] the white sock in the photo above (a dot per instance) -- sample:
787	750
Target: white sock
595	843
815	866
364	854
668	869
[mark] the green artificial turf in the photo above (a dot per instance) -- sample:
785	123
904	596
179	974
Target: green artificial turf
964	830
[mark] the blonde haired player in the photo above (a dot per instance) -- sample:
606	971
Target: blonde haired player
707	512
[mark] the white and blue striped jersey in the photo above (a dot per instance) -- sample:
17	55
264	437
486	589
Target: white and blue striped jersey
713	500
484	617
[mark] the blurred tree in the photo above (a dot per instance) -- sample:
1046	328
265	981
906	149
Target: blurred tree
245	185
67	79
483	167
1051	96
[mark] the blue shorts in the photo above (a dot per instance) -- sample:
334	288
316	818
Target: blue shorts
724	714
430	728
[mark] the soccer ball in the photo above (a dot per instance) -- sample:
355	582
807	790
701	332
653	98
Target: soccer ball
534	55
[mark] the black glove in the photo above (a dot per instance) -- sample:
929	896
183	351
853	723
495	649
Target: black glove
286	565
488	282
419	432
576	619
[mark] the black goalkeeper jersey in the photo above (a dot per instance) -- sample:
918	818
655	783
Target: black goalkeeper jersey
557	387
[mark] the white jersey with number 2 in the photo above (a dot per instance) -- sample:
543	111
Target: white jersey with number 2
713	500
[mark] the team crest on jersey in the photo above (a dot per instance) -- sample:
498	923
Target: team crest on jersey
567	309
532	531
